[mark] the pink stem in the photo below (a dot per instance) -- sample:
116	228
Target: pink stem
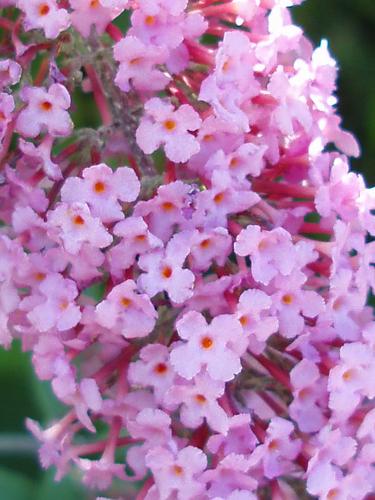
99	96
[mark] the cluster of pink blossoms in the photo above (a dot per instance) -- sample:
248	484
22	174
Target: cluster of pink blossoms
194	272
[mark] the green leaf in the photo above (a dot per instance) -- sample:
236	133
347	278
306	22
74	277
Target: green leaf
49	406
66	489
14	486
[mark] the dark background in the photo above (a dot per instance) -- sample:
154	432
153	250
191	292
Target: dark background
349	26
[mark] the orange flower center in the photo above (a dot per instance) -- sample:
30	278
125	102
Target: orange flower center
39	276
338	304
304	393
140	238
200	399
244	320
160	368
287	299
348	375
45	106
273	445
226	66
43	9
78	220
263	244
94	4
150	20
170	125
99	187
207	342
166	272
234	162
178	470
332	494
2	116
167	206
205	243
135	61
125	302
218	198
208	137
64	305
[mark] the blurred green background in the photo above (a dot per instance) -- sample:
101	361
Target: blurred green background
349	27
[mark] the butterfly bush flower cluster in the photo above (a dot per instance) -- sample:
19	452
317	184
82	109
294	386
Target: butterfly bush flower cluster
192	274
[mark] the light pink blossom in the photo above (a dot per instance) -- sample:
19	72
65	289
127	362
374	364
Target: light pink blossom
127	311
163	125
45	110
214	347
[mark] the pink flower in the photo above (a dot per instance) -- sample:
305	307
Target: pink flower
151	425
223	198
31	228
246	160
231	474
136	239
210	246
341	193
214	347
214	135
239	439
39	265
137	65
6	112
177	473
198	400
27	194
270	252
128	312
153	7
162	125
164	271
46	15
115	4
279	449
89	13
343	305
73	225
10	73
42	155
153	369
102	189
232	84
53	446
291	106
165	209
291	303
52	304
310	394
11	256
254	314
333	447
161	24
99	474
45	111
85	265
350	379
